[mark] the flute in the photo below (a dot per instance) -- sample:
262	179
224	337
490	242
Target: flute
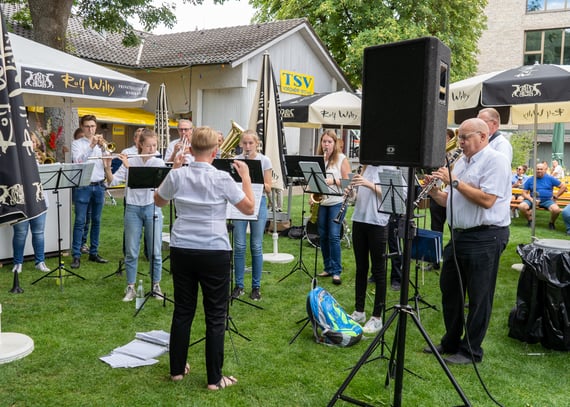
118	156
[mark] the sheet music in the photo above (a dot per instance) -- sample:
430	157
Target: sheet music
233	213
72	175
316	179
116	360
393	192
141	349
158	337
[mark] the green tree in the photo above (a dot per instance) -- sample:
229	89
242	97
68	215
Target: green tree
523	144
348	26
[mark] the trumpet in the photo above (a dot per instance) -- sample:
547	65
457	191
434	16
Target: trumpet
107	147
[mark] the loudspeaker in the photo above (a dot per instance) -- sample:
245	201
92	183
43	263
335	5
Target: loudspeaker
404	103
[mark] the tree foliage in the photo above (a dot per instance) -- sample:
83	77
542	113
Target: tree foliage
348	26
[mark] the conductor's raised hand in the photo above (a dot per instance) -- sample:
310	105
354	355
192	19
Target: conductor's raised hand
242	169
178	161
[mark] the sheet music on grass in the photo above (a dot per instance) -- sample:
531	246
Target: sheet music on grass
141	351
393	191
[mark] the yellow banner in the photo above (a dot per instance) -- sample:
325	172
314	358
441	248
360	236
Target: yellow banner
297	83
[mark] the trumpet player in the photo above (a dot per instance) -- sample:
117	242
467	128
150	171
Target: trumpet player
337	167
182	144
91	144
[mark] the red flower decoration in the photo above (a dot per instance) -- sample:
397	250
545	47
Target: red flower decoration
52	140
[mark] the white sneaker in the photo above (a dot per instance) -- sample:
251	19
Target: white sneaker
157	292
41	266
373	325
17	268
130	293
358	316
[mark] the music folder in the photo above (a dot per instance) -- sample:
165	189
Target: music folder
257	185
146	177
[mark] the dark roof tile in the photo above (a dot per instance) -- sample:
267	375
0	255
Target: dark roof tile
211	46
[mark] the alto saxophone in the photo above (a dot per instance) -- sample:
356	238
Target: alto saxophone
453	153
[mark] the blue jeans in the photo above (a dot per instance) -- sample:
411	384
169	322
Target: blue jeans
137	217
329	238
37	225
256	230
93	195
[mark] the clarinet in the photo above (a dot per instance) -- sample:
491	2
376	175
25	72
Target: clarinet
423	194
345	199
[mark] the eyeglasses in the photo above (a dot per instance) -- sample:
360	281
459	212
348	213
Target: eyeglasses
90	127
464	137
520	169
184	128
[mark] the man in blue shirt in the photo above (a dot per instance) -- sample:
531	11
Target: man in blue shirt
544	198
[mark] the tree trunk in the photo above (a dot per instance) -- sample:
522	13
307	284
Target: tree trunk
50	19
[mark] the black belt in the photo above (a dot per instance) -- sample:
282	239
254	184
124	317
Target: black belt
97	183
477	229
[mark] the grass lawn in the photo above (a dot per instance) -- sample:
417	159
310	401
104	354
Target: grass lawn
73	327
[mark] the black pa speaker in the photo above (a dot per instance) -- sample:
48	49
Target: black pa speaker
404	103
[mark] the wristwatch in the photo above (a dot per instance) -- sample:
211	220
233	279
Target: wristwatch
454	183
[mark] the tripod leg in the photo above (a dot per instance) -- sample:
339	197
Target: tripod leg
440	360
338	395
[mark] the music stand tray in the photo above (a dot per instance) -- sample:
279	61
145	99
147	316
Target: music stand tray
60	176
148	178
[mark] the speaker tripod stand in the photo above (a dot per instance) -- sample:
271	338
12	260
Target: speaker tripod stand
400	315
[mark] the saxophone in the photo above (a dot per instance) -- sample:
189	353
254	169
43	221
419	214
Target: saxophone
452	153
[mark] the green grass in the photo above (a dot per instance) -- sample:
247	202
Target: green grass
74	327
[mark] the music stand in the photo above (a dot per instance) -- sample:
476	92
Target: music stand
60	176
149	178
316	184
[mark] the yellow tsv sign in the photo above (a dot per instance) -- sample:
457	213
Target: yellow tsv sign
297	83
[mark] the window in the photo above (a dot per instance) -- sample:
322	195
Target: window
547	47
544	5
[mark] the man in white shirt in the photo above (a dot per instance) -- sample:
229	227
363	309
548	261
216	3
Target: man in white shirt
185	132
477	198
93	195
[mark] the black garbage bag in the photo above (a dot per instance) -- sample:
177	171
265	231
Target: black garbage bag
543	298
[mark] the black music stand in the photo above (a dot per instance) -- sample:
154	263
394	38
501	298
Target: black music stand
61	176
316	184
293	168
402	310
145	178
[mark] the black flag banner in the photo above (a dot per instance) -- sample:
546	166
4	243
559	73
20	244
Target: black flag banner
21	193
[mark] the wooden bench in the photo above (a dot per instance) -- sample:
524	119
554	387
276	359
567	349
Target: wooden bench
562	201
